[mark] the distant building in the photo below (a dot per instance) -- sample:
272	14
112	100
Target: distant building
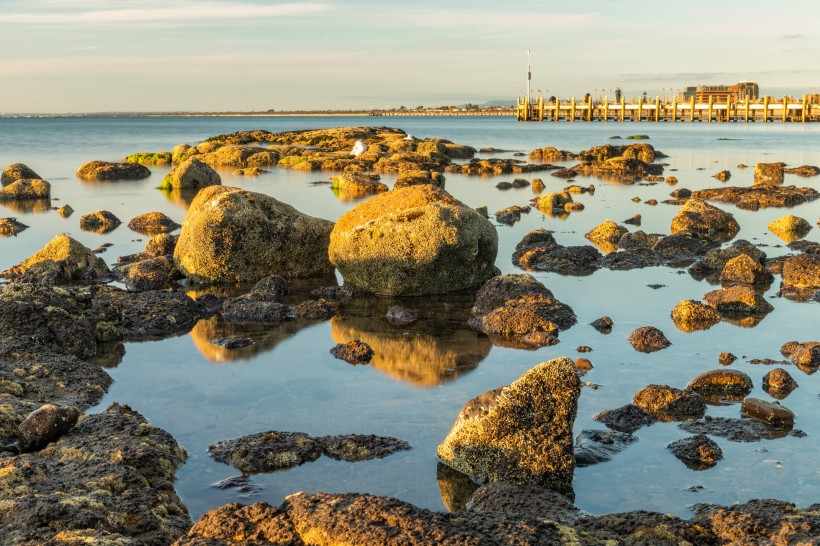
722	93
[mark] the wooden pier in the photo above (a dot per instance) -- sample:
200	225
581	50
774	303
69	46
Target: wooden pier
763	110
444	112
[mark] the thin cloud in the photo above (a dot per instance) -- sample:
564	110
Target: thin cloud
186	11
793	36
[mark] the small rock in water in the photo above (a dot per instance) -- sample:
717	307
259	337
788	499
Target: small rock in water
401	316
734	429
628	418
603	325
232	342
583	365
353	352
648	339
725	381
726	358
361	447
697	452
778	383
241	484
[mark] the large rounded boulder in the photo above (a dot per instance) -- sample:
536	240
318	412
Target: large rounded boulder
62	260
191	174
231	235
106	170
414	241
699	218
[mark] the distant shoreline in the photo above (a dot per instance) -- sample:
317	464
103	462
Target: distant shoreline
184	114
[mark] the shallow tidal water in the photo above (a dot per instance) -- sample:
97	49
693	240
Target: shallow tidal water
423	374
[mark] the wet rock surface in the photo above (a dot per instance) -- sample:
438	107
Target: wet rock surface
598	446
724	381
691	315
401	316
648	339
129	499
628	418
518	311
11	226
666	403
231	235
758	196
428	243
738	301
15	172
778	383
108	171
696	452
191	174
61	261
771	413
353	352
101	221
152	223
46	424
734	429
520	433
273	451
700	218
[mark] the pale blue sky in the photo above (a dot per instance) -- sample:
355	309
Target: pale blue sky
147	55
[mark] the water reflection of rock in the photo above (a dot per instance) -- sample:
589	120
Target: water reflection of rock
179	197
456	488
27	206
265	337
435	349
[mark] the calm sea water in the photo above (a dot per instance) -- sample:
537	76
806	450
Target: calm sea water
422	376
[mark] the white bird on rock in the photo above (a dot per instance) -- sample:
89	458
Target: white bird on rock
358	148
408	137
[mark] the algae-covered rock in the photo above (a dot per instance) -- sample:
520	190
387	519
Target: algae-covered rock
152	223
106	170
769	173
802	271
190	174
11	226
691	315
606	236
149	158
62	260
739	300
231	235
46	424
790	228
26	188
664	402
696	452
101	221
648	339
413	241
724	381
17	171
743	269
520	433
415	177
350	185
700	218
519	311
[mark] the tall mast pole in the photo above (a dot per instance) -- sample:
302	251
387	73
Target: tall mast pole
529	78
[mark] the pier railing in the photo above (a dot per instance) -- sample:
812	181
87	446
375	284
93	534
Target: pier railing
764	110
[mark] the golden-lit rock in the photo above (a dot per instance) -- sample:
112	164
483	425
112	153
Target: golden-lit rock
691	316
606	236
413	241
725	381
700	218
62	260
790	228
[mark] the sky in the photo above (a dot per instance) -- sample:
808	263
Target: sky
61	56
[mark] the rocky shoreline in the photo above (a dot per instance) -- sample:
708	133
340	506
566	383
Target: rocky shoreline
69	477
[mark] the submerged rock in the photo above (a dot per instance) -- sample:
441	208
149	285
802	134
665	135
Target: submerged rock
697	452
603	325
413	241
598	446
230	235
521	433
401	316
628	418
361	447
267	451
352	185
736	430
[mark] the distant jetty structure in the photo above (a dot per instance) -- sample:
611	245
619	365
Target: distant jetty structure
766	109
